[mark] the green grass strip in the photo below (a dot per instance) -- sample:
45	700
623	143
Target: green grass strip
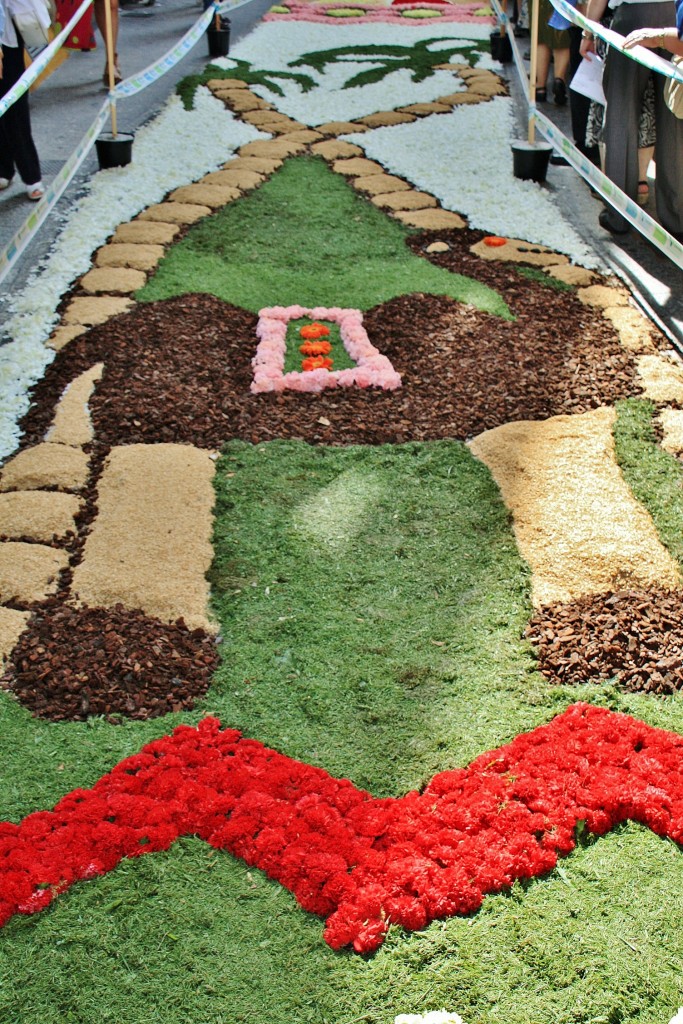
306	237
654	476
341	359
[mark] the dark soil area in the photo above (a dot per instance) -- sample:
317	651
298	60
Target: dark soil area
180	370
633	636
73	663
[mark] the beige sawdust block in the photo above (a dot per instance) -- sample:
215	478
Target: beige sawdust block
457	99
239	179
438	247
145	232
175	213
37	515
95	309
150	545
404	200
305	135
63	335
271	117
335	149
576	521
671	421
226	83
46	465
29	572
661	378
386	118
214	196
467	73
113	280
130	254
424	109
431	220
259	164
71	424
449	66
569	274
486	88
272	149
516	250
376	184
357	167
635	330
601	296
12	625
341	127
242	100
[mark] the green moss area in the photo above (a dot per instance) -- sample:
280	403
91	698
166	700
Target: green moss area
341	360
654	476
371	602
306	237
533	274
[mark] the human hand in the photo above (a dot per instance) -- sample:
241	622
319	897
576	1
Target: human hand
587	46
649	37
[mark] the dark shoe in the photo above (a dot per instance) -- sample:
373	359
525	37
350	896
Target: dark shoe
559	92
558	160
541	95
604	222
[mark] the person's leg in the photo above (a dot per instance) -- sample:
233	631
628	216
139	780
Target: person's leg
560	72
542	66
669	162
624	83
17	148
101	20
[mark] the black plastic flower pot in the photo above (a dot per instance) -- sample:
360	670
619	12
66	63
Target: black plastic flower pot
530	160
501	47
114	152
219	39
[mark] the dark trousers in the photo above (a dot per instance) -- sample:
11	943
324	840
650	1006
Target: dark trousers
579	105
625	82
17	149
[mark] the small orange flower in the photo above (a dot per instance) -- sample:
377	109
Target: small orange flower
311	332
494	240
315	348
316	363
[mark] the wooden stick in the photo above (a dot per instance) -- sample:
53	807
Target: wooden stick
109	44
533	64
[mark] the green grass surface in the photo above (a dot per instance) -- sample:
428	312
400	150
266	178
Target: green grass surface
654	476
305	237
293	357
372	602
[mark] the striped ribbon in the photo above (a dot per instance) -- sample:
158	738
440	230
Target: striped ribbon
627	207
132	85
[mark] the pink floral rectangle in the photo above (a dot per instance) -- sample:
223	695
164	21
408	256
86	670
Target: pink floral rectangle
372	369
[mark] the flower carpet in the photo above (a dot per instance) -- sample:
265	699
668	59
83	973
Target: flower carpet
340	568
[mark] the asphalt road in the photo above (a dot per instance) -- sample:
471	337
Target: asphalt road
65	105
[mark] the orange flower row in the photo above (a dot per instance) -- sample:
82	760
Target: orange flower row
316	363
311	332
315	348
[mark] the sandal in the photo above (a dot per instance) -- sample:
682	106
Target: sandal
643	193
118	77
5	183
559	92
35	192
541	95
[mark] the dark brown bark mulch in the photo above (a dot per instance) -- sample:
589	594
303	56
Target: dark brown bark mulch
633	636
73	663
180	370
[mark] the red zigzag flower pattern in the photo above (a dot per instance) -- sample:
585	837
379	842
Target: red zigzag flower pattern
360	862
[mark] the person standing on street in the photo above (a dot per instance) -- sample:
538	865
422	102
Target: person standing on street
17	148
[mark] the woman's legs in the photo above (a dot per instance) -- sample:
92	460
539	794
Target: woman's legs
17	148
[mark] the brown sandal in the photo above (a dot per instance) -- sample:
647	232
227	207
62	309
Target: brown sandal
117	72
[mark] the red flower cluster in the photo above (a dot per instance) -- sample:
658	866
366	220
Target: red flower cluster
316	363
363	863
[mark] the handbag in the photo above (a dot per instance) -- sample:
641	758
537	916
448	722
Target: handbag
33	19
673	91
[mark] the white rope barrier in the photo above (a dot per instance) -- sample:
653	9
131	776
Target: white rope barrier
627	207
132	85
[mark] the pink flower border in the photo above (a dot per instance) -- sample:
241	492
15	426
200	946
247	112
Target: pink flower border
372	368
317	12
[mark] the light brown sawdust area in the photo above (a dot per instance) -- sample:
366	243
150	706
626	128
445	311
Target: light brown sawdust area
576	521
12	625
661	378
150	545
28	572
671	421
37	515
71	424
46	465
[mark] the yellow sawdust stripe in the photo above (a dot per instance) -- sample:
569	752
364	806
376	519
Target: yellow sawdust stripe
150	545
576	521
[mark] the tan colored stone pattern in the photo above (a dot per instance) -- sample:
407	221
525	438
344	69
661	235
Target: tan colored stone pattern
95	310
46	465
576	521
71	424
29	572
150	546
12	625
130	254
661	378
116	280
144	232
37	515
175	213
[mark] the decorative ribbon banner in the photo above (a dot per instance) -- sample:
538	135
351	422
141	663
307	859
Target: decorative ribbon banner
41	62
132	85
629	209
641	54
